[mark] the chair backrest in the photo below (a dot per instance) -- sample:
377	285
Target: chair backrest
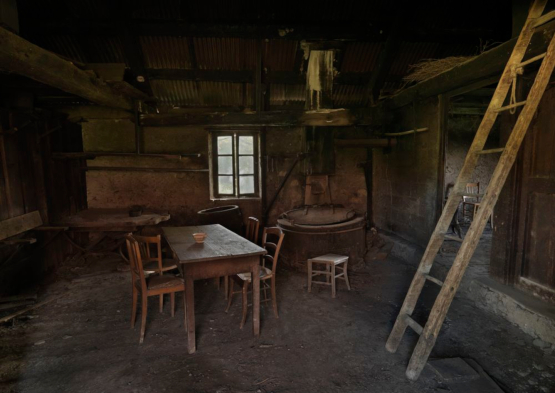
253	226
135	261
272	245
150	248
472	188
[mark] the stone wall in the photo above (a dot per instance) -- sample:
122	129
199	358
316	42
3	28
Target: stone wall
405	194
183	194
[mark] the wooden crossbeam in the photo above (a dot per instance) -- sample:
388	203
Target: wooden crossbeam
24	58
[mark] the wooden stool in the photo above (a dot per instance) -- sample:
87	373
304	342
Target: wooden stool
332	262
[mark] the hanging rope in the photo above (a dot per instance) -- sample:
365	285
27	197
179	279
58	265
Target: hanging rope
512	99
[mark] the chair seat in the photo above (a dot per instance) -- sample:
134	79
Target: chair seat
264	273
159	282
331	258
152	266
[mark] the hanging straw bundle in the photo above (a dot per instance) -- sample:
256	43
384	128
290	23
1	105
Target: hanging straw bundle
429	68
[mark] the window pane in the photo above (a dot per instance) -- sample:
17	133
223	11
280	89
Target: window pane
225	185
225	165
225	144
246	145
246	165
246	185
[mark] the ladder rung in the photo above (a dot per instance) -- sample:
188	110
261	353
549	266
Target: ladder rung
491	151
469	194
433	279
543	19
507	107
456	239
413	324
531	60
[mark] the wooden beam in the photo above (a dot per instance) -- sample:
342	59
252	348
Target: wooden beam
246	76
23	58
19	224
321	118
486	65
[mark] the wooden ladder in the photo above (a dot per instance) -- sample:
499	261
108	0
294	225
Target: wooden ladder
428	333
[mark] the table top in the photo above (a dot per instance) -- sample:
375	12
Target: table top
105	218
220	243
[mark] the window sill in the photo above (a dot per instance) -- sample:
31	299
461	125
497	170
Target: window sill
236	199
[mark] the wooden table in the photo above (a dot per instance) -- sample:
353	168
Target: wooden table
223	253
103	221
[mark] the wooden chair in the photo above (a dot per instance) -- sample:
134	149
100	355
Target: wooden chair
244	279
149	286
253	226
251	233
152	258
474	201
332	262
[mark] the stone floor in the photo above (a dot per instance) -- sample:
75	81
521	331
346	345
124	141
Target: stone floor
82	341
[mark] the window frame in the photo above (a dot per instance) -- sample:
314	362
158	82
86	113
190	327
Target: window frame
214	174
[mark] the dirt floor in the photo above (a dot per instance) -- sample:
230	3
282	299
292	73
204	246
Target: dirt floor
82	342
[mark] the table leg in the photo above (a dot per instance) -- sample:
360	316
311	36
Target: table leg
190	310
256	299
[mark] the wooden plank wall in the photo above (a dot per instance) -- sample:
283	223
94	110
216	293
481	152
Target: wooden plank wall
31	181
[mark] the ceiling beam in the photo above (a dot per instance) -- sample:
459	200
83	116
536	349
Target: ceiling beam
486	65
359	31
246	76
21	57
321	118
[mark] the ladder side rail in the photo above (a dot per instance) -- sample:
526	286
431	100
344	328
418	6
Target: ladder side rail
455	275
460	185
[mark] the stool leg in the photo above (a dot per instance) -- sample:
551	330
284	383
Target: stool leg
332	280
309	275
345	276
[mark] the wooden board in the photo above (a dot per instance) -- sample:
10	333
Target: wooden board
107	218
19	224
220	243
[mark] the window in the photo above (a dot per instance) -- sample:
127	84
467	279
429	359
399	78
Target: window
234	165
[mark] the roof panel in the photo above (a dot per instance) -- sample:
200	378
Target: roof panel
166	52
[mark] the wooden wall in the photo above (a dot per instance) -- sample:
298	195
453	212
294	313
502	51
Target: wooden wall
31	181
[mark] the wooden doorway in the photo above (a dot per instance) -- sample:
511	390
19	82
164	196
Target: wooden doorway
535	256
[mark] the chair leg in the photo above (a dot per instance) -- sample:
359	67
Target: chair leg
230	294
332	280
143	318
245	303
346	276
134	310
274	298
309	275
172	301
161	303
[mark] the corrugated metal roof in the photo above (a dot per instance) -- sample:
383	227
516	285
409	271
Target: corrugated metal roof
65	45
279	55
191	93
166	52
225	53
360	56
348	95
411	53
281	94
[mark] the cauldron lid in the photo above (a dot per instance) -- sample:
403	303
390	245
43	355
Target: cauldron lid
318	215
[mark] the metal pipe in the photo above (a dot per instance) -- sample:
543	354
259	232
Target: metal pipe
366	143
409	132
